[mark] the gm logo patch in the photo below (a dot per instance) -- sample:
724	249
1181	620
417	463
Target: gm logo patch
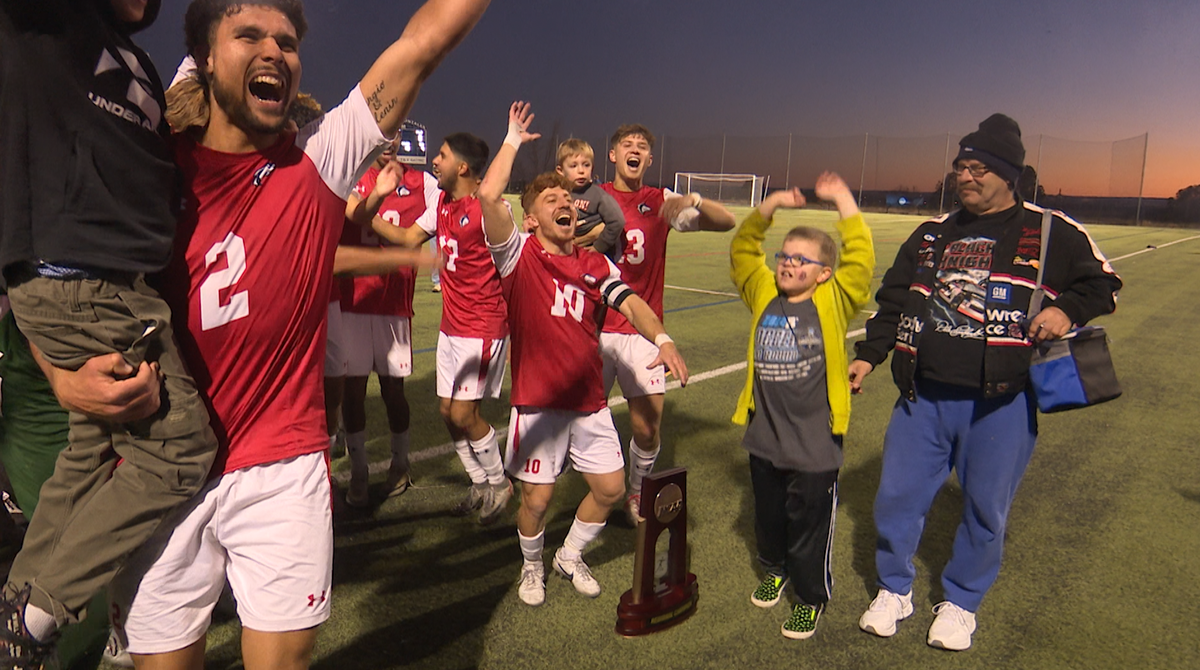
1000	293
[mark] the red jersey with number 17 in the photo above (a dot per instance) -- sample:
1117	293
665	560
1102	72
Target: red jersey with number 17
555	305
643	265
249	283
472	304
390	294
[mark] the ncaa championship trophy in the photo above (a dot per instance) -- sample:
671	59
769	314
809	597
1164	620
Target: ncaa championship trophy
652	605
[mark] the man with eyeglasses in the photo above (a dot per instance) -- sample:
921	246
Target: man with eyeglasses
953	307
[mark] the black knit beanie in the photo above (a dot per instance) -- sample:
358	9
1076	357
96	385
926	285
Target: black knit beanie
997	144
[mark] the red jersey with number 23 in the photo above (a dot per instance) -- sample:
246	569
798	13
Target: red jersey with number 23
555	305
249	284
643	265
390	294
472	304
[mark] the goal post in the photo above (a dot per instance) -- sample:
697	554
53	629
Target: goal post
734	189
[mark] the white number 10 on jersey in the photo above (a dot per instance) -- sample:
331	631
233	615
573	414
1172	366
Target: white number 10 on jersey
568	299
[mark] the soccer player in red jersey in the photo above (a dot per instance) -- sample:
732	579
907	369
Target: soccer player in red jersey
472	340
650	214
377	311
249	288
557	296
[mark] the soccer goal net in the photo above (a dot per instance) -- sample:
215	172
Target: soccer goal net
734	189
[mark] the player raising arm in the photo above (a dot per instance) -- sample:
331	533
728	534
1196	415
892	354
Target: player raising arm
556	295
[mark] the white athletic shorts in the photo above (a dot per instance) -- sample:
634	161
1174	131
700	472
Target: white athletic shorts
268	529
625	359
542	441
335	352
470	368
377	343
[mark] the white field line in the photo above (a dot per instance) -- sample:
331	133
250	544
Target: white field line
700	290
1153	248
379	467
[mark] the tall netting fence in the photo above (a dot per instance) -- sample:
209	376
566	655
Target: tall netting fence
1097	181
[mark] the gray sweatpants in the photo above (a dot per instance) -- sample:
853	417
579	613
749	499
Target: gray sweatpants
114	483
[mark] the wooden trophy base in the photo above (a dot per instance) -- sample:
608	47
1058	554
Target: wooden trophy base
672	603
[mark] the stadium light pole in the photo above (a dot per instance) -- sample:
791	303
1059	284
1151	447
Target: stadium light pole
862	175
662	160
1137	218
787	173
721	182
945	167
1037	180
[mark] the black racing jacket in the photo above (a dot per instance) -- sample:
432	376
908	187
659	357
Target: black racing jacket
1078	280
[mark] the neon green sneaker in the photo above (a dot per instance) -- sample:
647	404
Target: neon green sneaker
803	622
768	592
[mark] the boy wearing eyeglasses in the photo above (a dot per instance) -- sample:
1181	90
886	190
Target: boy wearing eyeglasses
796	400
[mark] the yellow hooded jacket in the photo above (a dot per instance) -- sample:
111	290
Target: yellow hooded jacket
837	301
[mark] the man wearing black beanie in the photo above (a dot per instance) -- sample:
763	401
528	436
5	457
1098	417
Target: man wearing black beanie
952	306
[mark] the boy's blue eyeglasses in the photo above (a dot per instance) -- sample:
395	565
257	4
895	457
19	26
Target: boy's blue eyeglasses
799	260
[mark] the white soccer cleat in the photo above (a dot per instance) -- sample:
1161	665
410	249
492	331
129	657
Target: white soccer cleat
885	612
579	573
495	499
952	628
532	587
471	501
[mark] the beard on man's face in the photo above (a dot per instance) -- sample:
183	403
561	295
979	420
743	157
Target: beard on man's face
233	103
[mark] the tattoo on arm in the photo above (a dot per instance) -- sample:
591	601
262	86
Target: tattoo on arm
381	108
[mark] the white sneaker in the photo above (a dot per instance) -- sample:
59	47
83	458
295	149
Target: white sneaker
532	587
952	628
578	572
495	499
885	612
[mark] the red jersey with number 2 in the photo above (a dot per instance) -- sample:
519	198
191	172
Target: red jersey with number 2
643	265
249	283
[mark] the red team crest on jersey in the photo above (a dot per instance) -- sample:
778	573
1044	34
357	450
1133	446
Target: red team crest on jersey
472	304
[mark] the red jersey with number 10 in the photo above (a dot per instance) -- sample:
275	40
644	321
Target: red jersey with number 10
472	304
249	284
555	307
643	265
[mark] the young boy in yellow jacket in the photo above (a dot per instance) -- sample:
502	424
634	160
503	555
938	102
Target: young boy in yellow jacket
797	393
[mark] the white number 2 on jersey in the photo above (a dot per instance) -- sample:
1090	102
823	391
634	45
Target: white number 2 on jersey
568	298
449	247
212	312
635	247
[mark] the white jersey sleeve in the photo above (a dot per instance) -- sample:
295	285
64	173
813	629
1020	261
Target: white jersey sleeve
433	197
506	254
343	143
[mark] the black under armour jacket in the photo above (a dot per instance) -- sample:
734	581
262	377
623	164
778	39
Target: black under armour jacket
1078	280
86	176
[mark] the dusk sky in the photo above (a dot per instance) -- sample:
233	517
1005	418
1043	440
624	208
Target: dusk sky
1099	70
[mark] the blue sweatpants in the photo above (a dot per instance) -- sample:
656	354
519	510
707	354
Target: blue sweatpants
988	442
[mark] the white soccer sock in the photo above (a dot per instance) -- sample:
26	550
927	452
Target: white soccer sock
579	537
640	465
40	623
531	547
400	448
356	447
488	453
470	463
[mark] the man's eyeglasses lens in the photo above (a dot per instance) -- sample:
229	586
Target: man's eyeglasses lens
976	171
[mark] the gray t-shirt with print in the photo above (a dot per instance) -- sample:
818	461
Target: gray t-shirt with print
790	425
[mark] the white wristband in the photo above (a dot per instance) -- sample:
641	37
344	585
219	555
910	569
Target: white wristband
662	339
513	138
